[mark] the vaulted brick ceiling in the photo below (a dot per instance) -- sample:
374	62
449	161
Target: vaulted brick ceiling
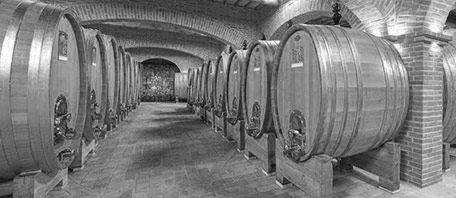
196	23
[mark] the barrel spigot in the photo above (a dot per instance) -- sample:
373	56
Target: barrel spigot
232	116
208	105
62	119
66	155
253	127
231	119
296	144
218	110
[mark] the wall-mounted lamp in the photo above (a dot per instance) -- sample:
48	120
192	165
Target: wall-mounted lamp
336	9
263	37
289	24
244	45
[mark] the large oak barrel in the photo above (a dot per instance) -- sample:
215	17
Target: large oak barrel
122	79
128	82
180	85
336	91
194	86
449	94
220	84
137	81
210	89
234	79
190	75
196	81
132	78
113	74
203	88
140	81
43	87
256	88
98	86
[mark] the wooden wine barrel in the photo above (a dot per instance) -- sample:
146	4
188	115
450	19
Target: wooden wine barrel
113	75
98	87
194	85
203	88
256	88
137	81
122	79
233	85
210	90
180	85
449	93
221	67
190	76
197	85
132	80
140	79
336	91
128	83
43	87
189	87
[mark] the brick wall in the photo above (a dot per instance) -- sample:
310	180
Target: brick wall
421	135
361	14
420	45
158	80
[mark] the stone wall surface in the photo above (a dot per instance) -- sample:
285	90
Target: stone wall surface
158	81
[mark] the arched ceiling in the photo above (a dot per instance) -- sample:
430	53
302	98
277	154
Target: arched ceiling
225	21
181	59
206	26
166	37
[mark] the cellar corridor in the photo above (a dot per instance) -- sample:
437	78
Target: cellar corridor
163	150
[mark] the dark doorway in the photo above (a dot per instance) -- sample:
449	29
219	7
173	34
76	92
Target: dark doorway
158	84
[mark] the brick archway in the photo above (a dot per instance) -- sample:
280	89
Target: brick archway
360	14
367	18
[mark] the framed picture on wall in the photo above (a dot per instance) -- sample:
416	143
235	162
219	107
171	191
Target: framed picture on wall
63	46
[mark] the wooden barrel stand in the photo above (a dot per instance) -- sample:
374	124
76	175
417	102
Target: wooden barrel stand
34	184
236	132
85	151
220	123
315	176
264	149
210	117
448	152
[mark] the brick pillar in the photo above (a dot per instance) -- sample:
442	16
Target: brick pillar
421	134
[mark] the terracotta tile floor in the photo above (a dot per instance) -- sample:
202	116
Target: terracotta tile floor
162	150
